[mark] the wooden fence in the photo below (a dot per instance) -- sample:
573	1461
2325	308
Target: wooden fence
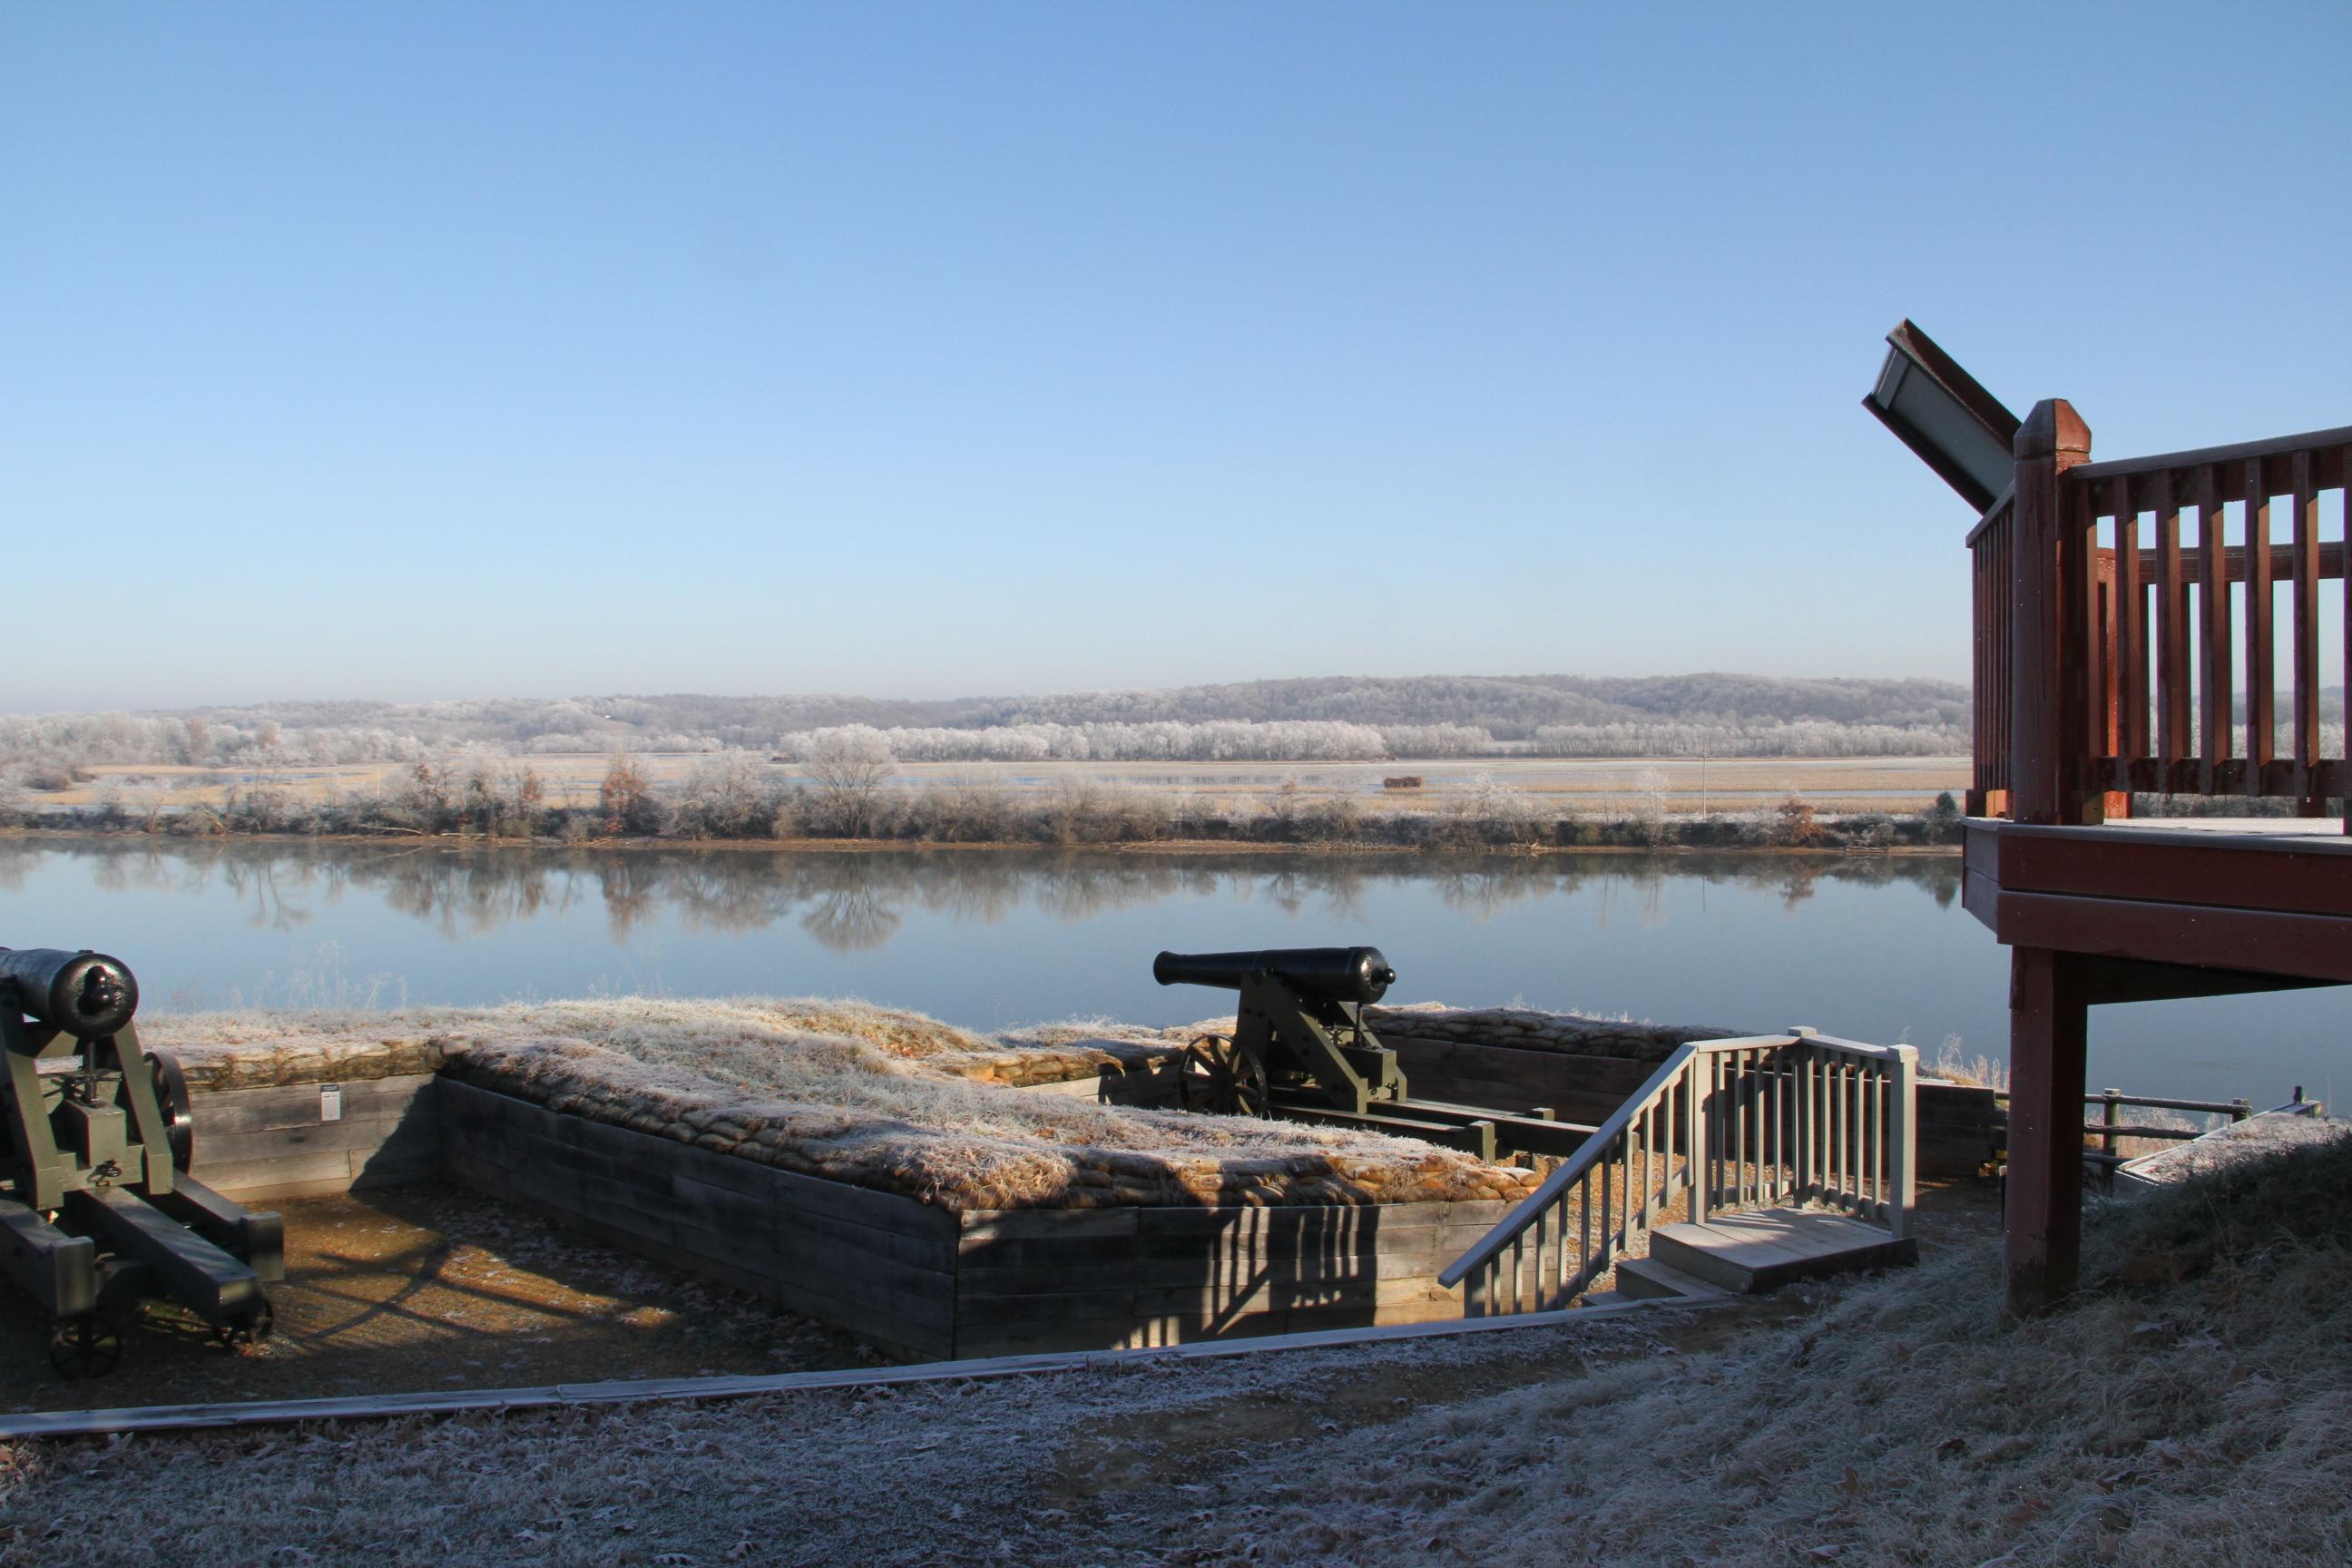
2127	611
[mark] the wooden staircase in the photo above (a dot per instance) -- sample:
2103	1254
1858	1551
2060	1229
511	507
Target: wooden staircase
1741	1165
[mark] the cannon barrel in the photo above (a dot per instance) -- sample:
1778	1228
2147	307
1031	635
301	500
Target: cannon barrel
87	995
1324	974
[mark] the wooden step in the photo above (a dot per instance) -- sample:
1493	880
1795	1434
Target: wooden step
1766	1248
1647	1279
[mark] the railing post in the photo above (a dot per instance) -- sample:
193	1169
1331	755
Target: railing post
2111	1118
1698	1091
1902	1145
1805	1077
2053	588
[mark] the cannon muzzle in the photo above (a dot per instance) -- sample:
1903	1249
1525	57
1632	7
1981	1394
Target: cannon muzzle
87	994
1322	974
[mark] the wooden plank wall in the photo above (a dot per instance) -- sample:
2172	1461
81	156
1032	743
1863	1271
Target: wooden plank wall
1959	1125
1041	1280
255	1144
1579	1088
874	1264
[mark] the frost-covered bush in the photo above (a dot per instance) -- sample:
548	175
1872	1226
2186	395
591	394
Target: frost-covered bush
731	796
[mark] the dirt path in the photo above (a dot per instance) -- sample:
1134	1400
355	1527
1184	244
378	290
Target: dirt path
429	1286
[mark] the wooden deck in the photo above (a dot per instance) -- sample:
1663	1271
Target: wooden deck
2143	627
1762	1249
2252	902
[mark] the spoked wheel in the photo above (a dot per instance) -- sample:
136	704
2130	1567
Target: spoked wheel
1223	1079
86	1344
240	1333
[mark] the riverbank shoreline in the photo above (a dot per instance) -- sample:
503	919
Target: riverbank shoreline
1173	847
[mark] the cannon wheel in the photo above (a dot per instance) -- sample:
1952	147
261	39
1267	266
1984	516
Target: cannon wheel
86	1344
1223	1079
172	1099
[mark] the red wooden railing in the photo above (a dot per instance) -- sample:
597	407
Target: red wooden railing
1992	553
2121	607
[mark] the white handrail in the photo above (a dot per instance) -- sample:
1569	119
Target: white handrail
1595	1151
1761	1120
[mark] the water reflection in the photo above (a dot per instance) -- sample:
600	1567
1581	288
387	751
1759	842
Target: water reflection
1871	947
858	902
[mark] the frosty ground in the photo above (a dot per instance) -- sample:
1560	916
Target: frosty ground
2192	1406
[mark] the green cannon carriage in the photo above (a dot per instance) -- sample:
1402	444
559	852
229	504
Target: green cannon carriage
97	1209
1300	1051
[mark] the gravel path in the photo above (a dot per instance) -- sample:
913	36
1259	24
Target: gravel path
1115	1465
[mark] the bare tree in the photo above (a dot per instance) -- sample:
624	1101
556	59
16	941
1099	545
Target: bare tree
848	768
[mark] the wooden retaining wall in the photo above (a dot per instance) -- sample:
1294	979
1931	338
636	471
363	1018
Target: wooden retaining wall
258	1145
880	1265
1037	1279
920	1281
915	1279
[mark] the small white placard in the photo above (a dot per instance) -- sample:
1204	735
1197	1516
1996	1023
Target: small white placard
331	1102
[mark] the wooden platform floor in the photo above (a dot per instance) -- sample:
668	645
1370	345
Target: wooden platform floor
2261	896
2307	831
1761	1250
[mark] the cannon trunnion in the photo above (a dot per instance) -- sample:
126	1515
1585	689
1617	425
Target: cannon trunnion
96	1210
1301	1050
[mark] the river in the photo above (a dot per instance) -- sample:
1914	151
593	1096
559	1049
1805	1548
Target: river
1872	948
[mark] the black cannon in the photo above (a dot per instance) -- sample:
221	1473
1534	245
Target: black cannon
1301	1050
96	1206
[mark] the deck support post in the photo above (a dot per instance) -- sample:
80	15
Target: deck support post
2049	1016
2054	589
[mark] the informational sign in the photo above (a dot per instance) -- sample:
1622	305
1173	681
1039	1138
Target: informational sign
1939	411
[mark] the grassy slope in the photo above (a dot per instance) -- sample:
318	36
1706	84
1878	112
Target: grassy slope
2201	1415
2193	1407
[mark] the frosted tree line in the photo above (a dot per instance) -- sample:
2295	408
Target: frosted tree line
1311	719
1230	741
1805	738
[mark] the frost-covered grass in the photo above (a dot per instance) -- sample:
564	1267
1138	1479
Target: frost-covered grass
852	1092
2192	1407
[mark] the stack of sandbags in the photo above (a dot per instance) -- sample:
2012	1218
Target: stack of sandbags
275	1050
969	1145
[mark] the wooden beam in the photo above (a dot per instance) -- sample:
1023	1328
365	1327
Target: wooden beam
2235	455
2328	555
2306	874
2316	947
2113	980
2048	1014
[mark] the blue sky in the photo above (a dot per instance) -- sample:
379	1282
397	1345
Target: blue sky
431	351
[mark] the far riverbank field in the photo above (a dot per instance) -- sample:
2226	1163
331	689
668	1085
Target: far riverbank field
1493	804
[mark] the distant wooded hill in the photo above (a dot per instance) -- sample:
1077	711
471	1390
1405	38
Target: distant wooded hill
1509	707
1325	718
